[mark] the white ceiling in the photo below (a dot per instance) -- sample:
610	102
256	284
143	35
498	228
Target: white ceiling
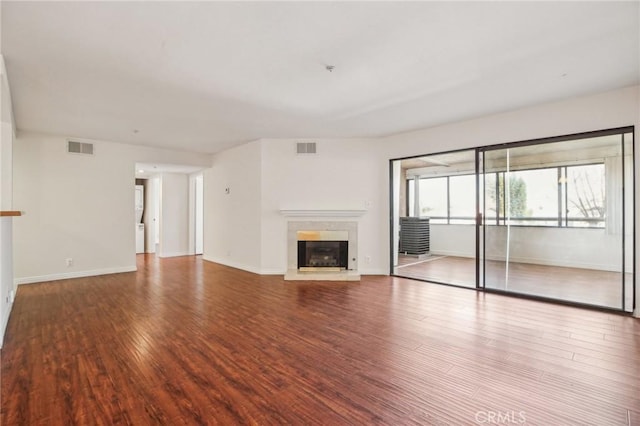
204	76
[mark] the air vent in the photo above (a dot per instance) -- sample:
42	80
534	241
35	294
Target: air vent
80	148
306	147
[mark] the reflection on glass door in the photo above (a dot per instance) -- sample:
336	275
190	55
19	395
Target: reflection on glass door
557	220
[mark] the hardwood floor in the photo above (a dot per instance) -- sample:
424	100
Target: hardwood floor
184	341
589	286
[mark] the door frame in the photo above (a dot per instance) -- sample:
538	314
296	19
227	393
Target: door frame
480	226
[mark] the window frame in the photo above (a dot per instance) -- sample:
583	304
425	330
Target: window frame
562	219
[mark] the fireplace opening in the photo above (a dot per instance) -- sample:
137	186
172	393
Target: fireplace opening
323	255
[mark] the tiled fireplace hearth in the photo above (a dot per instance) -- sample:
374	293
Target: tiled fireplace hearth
322	250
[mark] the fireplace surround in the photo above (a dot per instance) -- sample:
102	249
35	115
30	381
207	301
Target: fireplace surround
322	250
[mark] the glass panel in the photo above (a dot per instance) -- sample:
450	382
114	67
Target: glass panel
586	196
433	199
446	195
493	186
495	240
629	230
533	197
554	220
462	207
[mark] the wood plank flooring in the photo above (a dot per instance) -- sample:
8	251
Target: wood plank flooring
184	341
589	286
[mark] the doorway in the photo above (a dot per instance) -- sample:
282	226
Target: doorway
173	208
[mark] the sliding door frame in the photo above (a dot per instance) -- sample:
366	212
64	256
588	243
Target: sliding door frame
480	225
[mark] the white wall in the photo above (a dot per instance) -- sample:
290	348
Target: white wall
79	206
606	110
232	221
452	240
6	141
7	289
174	215
245	228
344	174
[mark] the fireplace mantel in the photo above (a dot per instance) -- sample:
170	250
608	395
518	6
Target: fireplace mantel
321	213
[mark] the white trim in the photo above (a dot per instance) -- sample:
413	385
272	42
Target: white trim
272	271
322	213
78	274
230	264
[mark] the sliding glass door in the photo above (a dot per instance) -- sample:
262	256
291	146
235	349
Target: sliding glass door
434	210
558	219
550	219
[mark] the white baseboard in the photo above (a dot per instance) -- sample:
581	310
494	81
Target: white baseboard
232	264
173	254
272	271
75	274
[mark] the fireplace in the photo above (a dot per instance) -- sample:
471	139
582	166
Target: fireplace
319	255
322	251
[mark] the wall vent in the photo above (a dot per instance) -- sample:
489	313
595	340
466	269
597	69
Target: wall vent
306	147
79	147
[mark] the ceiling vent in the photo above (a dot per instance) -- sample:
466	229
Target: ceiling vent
79	147
306	147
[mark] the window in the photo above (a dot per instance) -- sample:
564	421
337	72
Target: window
433	199
532	197
462	200
566	196
563	196
585	203
445	200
